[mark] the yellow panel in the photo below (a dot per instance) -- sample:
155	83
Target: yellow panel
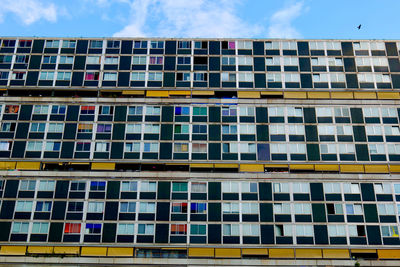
28	166
94	251
203	93
363	250
254	251
111	91
3	89
376	169
66	250
336	253
394	168
226	165
78	163
251	168
388	95
326	167
302	166
352	168
342	95
133	92
103	166
12	250
308	253
40	250
201	252
120	252
287	253
318	95
7	165
297	95
157	93
271	93
364	95
227	253
276	165
179	92
389	253
202	165
242	94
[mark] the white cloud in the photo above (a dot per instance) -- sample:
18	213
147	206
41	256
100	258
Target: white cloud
182	18
28	11
281	21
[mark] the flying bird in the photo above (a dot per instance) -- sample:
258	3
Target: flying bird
359	26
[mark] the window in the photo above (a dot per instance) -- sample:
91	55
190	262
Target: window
198	208
281	208
75	206
113	44
34	146
354	209
92	76
5	58
153	128
66	59
377	45
330	188
157	44
199	187
248	187
129	186
386	209
8	43
365	78
361	46
394	149
302	208
336	230
8	126
334	208
102	147
296	129
96	44
152	110
134	128
72	228
181	147
229	111
371	112
294	112
20	228
246	61
179	187
281	187
150	147
289	45
155	76
251	230
132	147
183	76
147	207
390	231
352	188
326	129
5	145
363	61
230	148
272	45
228	77
230	187
27	185
85	128
96	207
247	148
389	112
49	59
135	110
245	45
376	149
245	77
104	128
87	110
198	229
68	44
147	186
200	45
47	185
197	76
318	61
25	43
230	208
52	43
126	229
273	61
304	230
64	76
127	207
156	60
344	130
274	77
247	129
145	229
181	128
317	45
230	229
229	129
392	130
106	110
380	61
40	228
184	44
78	186
93	228
53	146
97	186
199	129
283	230
301	188
381	188
19	58
249	208
110	76
18	75
183	60
333	46
279	148
23	206
179	207
290	61
38	127
229	61
320	77
139	60
346	148
4	75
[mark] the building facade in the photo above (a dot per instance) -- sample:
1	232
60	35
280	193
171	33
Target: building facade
197	151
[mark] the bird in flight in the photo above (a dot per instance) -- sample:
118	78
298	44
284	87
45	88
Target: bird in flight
359	26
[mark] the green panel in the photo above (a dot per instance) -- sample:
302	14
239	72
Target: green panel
22	130
55	232
359	134
58	210
118	132
25	113
259	64
262	133
317	191
313	152
161	233
259	80
167	114
215	237
362	152
18	149
117	150
72	113
120	113
214	63
109	232
374	235
266	212
67	150
370	213
162	211
166	131
311	133
62	189
35	62
214	132
214	191
265	191
79	63
169	79
318	211
215	114
356	115
164	190
169	63
165	150
214	151
309	115
261	115
367	192
11	188
113	189
70	130
214	212
37	46
214	80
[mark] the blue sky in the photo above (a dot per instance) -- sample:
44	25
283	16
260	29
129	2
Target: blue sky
308	19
